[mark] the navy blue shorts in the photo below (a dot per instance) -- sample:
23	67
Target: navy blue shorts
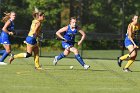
5	38
128	42
66	45
31	40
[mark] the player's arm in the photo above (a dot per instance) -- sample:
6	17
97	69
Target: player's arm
130	35
5	28
58	33
83	36
37	25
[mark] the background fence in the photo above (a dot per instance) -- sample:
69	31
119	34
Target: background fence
95	46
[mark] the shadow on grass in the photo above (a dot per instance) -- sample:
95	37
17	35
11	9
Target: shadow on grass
135	71
100	70
76	69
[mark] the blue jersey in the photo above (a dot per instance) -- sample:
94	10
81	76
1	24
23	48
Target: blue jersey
10	28
5	36
69	34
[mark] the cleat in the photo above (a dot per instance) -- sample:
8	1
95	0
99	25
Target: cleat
2	63
126	70
55	60
11	58
119	62
86	66
38	68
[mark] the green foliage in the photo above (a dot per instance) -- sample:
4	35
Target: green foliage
99	16
51	45
51	8
101	44
20	7
107	15
89	27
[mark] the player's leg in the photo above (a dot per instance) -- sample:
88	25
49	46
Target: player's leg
60	56
2	52
30	42
122	58
127	43
78	57
23	55
66	52
131	59
5	54
36	57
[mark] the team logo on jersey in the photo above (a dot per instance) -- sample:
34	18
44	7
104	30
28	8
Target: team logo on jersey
66	46
5	42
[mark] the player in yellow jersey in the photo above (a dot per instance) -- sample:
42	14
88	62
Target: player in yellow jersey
130	44
31	41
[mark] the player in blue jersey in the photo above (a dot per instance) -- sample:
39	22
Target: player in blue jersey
130	43
7	31
68	42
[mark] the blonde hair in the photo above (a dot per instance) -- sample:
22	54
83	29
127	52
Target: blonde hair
7	16
37	13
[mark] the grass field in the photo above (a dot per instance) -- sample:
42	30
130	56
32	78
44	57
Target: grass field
104	76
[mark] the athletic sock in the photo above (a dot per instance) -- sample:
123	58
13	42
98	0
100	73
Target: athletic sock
129	63
4	56
60	56
20	55
79	59
36	60
124	57
2	52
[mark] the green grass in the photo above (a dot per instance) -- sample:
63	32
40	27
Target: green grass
104	76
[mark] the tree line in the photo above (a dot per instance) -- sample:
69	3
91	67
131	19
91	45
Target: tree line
94	16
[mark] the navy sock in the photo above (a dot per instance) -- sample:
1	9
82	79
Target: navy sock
60	56
79	59
4	56
2	52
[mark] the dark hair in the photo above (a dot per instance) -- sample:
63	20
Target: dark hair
72	18
132	16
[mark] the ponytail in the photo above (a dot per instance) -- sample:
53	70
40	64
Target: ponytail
37	13
6	17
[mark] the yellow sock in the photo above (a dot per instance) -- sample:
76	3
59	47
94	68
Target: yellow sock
20	55
124	57
129	63
36	60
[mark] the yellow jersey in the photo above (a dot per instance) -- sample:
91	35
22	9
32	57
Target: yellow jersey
135	29
32	29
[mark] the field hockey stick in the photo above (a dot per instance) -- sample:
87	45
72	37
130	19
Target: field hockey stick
66	40
132	51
